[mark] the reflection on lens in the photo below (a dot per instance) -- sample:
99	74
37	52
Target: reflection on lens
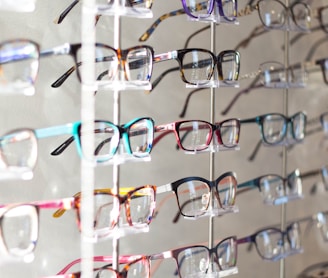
272	14
227	253
142	206
227	191
270	243
274	128
229	131
141	135
272	187
139	64
299	122
302	16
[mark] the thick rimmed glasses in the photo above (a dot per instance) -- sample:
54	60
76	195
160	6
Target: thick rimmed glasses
19	230
274	244
136	63
274	127
193	195
197	135
19	61
137	137
197	66
139	204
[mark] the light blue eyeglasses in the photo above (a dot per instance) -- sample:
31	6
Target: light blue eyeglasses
137	138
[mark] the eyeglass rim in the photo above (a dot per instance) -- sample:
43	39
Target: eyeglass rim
36	217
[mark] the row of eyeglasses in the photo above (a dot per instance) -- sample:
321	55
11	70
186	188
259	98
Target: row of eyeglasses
198	260
19	61
134	140
20	223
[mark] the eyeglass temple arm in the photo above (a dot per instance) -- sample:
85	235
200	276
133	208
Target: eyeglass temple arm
195	34
161	76
251	87
250	184
257	31
66	12
63	146
145	36
186	103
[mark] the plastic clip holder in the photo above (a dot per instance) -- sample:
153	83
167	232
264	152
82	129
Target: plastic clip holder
22	6
124	85
215	274
122	10
212	84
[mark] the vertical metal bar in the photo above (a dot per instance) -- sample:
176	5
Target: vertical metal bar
212	154
116	120
284	148
87	140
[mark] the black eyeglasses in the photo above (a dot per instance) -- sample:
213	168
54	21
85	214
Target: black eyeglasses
197	66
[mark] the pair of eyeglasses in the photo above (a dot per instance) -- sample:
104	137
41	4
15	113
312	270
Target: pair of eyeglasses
139	205
19	61
274	14
194	194
22	6
274	244
19	147
276	189
137	5
275	127
197	67
197	135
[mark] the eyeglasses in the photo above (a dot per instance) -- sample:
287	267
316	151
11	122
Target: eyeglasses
197	135
19	60
225	12
139	204
135	266
19	227
18	154
274	244
136	63
137	134
197	67
275	189
274	127
138	6
21	6
323	118
274	14
199	260
193	195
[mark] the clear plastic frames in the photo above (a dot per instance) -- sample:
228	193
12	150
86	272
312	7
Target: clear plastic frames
18	154
19	226
19	65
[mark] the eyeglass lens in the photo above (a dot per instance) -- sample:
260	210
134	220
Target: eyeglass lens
196	260
19	61
18	150
202	9
229	63
275	15
322	225
274	75
198	66
274	128
19	230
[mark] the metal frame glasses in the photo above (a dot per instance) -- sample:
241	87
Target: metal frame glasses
197	135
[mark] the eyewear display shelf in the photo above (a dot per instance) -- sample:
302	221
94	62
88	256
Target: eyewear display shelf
118	11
